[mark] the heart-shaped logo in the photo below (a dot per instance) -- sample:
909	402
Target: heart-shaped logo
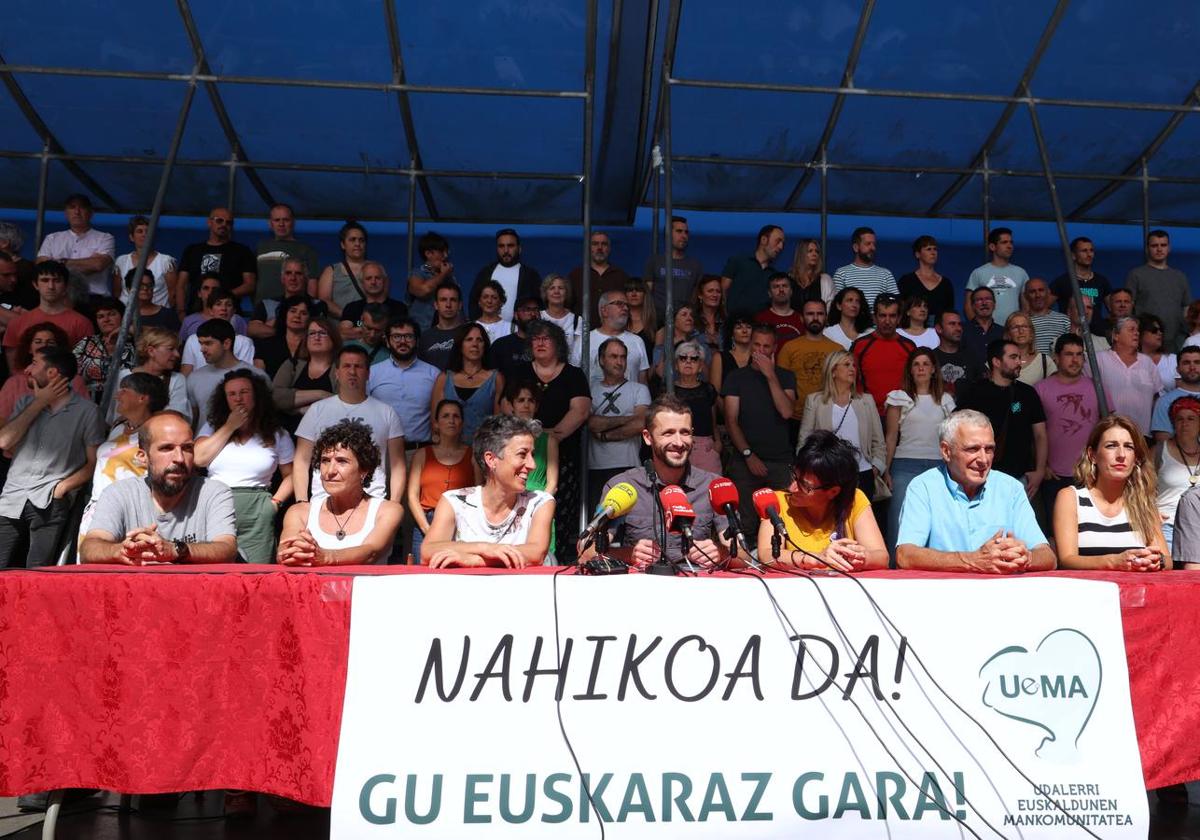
1054	688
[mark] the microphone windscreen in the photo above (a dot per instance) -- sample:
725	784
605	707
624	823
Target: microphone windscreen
721	492
764	500
620	498
676	506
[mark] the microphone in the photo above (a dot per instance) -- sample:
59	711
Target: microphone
768	508
723	496
618	501
679	512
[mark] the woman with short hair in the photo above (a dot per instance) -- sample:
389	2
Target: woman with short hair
94	352
500	523
701	398
340	283
1035	366
158	355
1177	460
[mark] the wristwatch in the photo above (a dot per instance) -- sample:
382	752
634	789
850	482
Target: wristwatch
182	552
746	453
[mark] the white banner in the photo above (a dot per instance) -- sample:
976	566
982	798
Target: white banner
701	708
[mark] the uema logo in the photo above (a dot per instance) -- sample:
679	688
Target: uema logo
1054	688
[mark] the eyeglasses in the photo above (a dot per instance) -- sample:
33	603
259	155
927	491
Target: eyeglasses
809	488
687	358
403	337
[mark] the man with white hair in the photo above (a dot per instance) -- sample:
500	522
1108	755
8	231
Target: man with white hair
961	517
614	318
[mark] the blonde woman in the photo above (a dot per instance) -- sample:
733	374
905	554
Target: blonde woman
1110	520
809	280
839	407
158	355
1035	366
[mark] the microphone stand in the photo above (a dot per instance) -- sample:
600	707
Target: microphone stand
661	566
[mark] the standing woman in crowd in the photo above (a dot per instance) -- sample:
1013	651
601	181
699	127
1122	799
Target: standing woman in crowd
556	296
565	405
914	413
521	399
438	468
1150	342
916	313
1110	520
348	526
708	308
341	282
466	381
839	407
737	354
643	320
489	298
701	398
685	330
1178	460
1035	366
308	378
242	444
94	352
161	269
925	282
151	314
848	317
501	523
291	331
809	280
157	355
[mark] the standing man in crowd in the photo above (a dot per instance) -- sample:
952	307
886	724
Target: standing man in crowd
232	261
1120	305
83	250
53	435
53	305
805	358
1131	379
218	306
745	278
686	271
510	354
438	340
959	366
788	323
427	277
882	355
1091	283
1048	324
618	417
1158	289
1077	326
1187	371
863	273
293	282
273	254
1000	275
981	329
604	276
405	383
759	401
516	278
614	315
375	290
216	339
1016	415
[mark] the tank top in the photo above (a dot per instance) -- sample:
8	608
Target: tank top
477	404
1173	479
327	540
1100	534
437	478
343	288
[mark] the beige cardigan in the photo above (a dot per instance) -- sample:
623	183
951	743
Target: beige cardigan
818	414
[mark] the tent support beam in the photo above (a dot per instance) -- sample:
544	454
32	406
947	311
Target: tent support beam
410	130
635	198
1077	296
43	185
672	37
1145	202
824	207
412	219
664	101
987	206
585	280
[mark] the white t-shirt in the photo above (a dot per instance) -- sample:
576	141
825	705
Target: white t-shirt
616	401
379	416
572	325
160	266
68	245
845	425
508	278
836	333
243	350
919	423
635	348
249	464
929	338
497	330
471	525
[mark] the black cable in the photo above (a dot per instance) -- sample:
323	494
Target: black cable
558	703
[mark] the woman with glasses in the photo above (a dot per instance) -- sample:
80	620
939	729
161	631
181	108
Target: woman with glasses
828	518
438	468
309	377
467	381
809	280
737	353
158	355
685	330
151	314
94	352
1150	342
1035	366
701	398
643	320
161	269
291	331
848	317
556	297
839	408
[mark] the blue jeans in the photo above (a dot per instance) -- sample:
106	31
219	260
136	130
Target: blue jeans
1169	534
418	537
903	471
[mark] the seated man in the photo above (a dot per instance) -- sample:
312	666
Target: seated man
170	515
961	517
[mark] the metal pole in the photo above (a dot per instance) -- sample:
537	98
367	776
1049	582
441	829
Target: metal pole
131	318
412	217
232	192
589	86
668	250
824	207
1085	328
43	181
987	206
655	154
1145	202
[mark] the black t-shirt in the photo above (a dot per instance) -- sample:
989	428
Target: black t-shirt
273	351
435	346
940	299
510	355
165	317
700	400
1097	288
958	368
556	402
353	311
229	261
765	431
1013	410
266	309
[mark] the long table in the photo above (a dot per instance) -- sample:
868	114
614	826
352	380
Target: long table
166	679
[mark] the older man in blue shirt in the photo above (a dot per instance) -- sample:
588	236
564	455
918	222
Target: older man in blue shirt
961	517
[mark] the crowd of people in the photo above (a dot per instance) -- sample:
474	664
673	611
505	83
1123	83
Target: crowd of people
269	408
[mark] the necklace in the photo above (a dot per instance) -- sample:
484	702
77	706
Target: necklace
1193	474
340	533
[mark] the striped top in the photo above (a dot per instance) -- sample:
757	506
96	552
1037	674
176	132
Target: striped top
871	280
1100	534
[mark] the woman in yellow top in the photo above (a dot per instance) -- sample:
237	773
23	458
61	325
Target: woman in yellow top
825	512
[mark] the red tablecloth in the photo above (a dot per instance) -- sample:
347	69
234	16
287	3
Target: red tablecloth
146	681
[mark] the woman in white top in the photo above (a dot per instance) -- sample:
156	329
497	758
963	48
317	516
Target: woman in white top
1110	522
839	407
1035	366
346	527
915	313
501	523
556	295
160	265
242	444
848	317
914	413
491	298
1150	342
1178	460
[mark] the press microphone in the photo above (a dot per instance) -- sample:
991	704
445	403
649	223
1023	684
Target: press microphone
618	501
723	496
678	509
767	506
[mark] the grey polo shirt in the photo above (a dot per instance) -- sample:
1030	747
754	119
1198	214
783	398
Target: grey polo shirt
1185	543
642	522
54	446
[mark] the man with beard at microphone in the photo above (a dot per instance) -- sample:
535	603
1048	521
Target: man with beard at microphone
635	537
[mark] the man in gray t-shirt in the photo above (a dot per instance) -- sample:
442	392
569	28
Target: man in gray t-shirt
1160	290
170	516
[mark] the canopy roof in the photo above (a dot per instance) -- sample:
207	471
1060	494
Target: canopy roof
479	107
